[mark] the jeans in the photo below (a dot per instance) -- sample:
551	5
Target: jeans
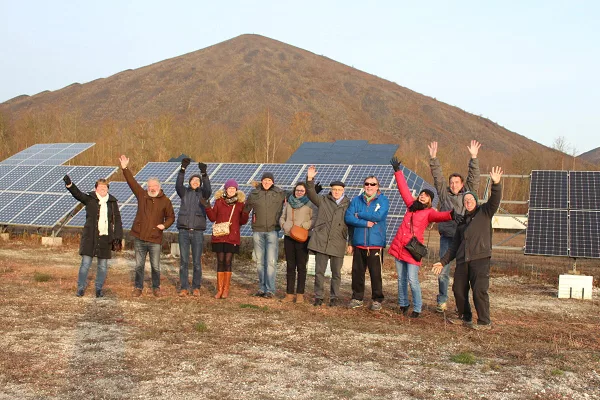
335	263
196	239
266	250
296	256
142	248
476	276
86	262
444	276
409	274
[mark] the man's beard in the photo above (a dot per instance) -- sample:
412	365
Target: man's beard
153	194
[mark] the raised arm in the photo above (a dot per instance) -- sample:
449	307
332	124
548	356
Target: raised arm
179	188
493	203
436	168
473	176
74	190
310	186
135	187
205	188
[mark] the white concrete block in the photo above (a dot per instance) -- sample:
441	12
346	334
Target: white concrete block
51	241
575	286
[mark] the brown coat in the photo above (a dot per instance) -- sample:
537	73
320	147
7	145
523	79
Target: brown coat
151	212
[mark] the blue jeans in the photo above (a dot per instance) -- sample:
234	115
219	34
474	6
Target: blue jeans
444	276
408	274
196	239
266	250
142	248
84	268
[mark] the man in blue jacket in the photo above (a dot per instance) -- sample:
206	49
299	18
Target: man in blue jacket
191	223
367	213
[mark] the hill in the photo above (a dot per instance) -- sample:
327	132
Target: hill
239	97
592	156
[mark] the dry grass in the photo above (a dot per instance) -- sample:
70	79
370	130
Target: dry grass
56	345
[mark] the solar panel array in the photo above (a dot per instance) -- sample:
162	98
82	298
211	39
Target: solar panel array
564	214
286	175
32	192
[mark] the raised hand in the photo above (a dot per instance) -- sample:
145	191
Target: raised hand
185	162
474	148
496	174
433	146
395	163
67	180
124	161
202	167
311	172
437	268
318	187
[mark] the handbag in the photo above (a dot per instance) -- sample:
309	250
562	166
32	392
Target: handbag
222	228
416	249
298	233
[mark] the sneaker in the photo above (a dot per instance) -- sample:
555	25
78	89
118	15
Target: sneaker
414	314
183	293
260	293
268	295
441	307
137	292
334	303
99	293
456	319
156	292
355	303
403	310
318	302
196	292
481	327
80	292
375	306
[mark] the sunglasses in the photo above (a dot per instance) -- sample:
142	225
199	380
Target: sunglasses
371	184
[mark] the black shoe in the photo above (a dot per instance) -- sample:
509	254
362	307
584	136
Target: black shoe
268	295
403	310
99	293
414	314
80	292
318	302
334	303
260	293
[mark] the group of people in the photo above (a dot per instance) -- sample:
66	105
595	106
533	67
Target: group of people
330	226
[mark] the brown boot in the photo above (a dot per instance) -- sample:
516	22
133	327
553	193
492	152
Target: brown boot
300	298
289	298
226	285
220	284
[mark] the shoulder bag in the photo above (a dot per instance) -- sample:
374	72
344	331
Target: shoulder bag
222	228
298	233
416	249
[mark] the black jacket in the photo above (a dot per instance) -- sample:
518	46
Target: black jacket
192	214
473	237
90	245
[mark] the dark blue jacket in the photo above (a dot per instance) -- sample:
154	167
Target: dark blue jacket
192	214
359	213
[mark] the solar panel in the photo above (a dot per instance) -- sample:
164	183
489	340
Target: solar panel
358	173
285	174
327	173
548	189
57	212
47	154
83	176
547	233
12	176
173	227
35	209
397	206
78	221
192	169
121	191
128	212
28	180
393	223
585	234
15	206
52	181
584	190
242	173
161	170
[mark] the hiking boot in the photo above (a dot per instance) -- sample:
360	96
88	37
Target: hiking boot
375	306
300	298
183	293
403	310
260	293
481	327
137	292
289	298
318	302
196	292
414	314
334	303
355	303
80	292
457	319
269	295
441	307
156	292
99	293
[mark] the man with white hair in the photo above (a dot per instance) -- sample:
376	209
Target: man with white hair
154	215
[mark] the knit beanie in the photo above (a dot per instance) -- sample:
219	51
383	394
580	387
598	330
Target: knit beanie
231	183
195	176
472	194
428	193
268	175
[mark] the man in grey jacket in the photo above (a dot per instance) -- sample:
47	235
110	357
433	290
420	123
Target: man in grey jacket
267	202
330	237
451	198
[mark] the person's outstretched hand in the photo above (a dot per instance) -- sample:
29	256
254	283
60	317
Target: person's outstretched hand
395	163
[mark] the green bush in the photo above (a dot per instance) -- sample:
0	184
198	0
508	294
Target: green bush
464	358
41	277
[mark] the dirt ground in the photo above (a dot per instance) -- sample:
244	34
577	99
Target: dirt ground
57	346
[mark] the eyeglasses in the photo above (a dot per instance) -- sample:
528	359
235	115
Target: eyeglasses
300	190
371	184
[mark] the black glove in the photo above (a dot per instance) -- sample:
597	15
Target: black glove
318	187
202	167
185	162
395	163
67	180
117	245
205	202
456	217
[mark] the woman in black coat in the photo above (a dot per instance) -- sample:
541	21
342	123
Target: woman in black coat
102	228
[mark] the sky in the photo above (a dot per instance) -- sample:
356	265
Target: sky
533	67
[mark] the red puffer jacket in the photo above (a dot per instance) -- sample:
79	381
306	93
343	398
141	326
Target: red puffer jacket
221	212
420	220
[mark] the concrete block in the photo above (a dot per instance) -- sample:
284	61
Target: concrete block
51	241
575	287
175	250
